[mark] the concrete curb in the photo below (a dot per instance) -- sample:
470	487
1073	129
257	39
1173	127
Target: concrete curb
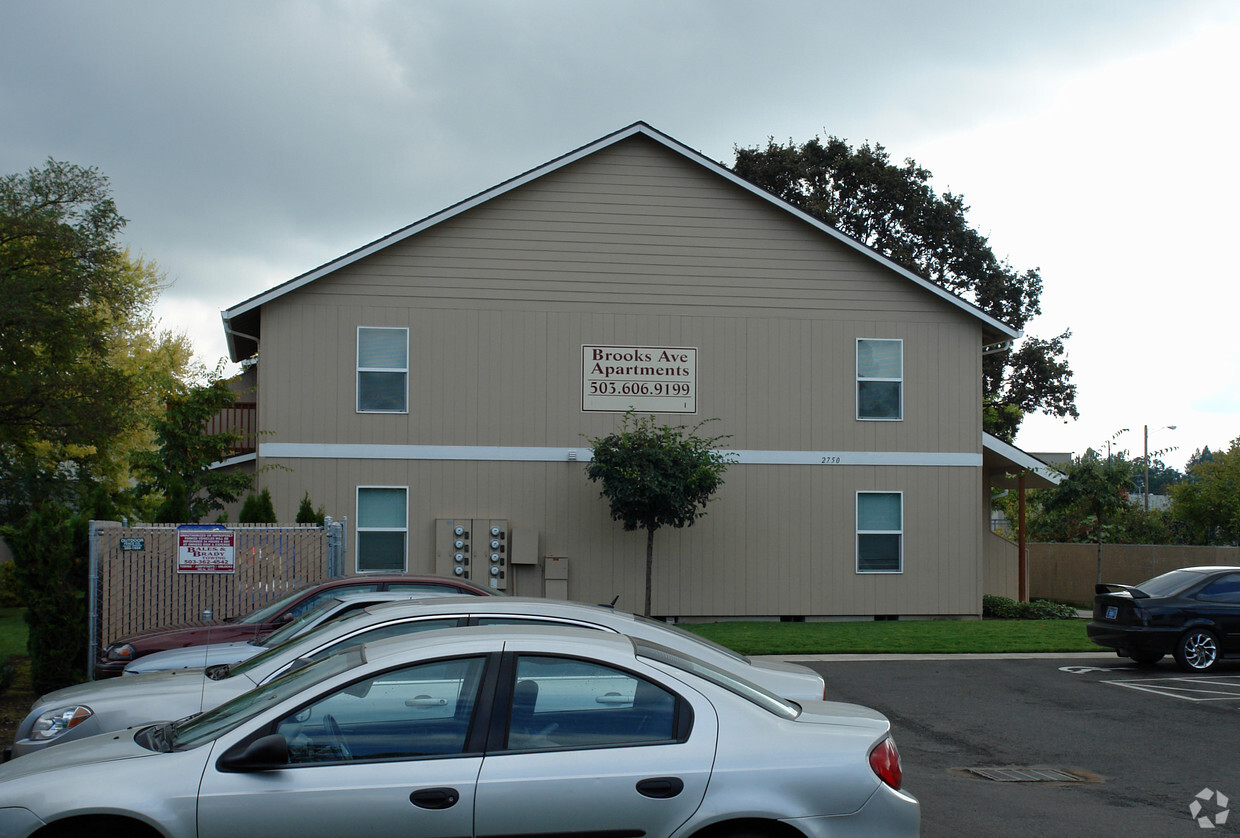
995	656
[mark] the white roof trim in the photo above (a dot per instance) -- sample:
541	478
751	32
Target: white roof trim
572	157
1026	461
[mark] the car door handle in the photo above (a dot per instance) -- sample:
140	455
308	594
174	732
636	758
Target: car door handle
660	787
443	798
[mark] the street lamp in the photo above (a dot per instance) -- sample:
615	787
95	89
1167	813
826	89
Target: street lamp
1147	462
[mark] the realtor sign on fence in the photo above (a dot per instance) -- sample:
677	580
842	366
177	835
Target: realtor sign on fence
206	548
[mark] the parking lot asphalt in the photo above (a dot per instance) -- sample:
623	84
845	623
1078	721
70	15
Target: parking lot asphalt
1055	745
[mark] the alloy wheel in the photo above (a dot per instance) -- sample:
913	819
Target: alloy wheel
1198	651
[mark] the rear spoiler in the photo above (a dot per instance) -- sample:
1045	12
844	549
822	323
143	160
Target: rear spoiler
1105	588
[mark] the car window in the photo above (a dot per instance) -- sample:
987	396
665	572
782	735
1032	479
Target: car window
288	631
747	690
195	730
417	711
429	589
569	703
1224	589
1169	583
380	632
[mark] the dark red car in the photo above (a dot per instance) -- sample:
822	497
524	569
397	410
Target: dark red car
112	659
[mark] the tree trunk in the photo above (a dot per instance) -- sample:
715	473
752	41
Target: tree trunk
649	567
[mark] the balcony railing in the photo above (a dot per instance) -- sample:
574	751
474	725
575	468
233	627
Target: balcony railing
240	419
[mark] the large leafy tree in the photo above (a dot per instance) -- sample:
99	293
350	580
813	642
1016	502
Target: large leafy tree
894	210
656	475
82	362
1208	500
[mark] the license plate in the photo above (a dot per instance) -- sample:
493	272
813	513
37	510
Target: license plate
1112	612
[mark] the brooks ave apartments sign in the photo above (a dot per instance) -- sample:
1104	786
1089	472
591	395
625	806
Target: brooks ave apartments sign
646	379
206	548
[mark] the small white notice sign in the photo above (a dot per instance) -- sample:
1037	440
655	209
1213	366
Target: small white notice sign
646	379
206	548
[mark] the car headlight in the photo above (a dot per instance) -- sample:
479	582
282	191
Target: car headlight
53	723
119	652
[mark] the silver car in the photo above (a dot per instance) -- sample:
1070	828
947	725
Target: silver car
484	731
210	654
116	703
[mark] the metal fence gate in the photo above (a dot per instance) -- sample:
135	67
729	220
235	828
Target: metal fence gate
135	584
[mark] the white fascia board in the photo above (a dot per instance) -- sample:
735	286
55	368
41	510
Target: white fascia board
572	157
1025	461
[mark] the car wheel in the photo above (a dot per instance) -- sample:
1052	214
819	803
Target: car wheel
1197	651
1147	658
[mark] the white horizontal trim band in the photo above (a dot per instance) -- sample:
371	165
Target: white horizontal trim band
488	453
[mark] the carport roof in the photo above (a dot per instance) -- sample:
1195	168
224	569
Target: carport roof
1004	462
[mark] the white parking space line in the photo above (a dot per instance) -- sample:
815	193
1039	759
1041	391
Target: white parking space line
1200	688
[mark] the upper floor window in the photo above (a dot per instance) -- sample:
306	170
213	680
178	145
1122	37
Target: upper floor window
880	379
382	370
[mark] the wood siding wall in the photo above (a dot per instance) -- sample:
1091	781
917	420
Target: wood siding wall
634	246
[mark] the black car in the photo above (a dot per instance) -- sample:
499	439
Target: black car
1192	613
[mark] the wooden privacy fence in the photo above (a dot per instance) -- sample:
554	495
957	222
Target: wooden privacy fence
135	584
1068	571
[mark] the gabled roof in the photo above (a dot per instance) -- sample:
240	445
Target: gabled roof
242	318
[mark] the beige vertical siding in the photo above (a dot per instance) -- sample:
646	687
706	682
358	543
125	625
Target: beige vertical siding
635	246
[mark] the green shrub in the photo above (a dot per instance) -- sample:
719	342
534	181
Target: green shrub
257	509
50	553
8	674
1005	608
9	597
307	514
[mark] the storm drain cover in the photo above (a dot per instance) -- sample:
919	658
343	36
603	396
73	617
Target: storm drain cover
1009	774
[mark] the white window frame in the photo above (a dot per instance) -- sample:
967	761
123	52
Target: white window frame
357	358
359	529
898	380
861	532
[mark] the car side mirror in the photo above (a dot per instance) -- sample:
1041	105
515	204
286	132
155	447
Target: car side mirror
263	754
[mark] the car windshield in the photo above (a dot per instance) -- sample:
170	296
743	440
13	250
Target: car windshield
309	638
747	690
290	630
689	636
195	730
1169	583
268	611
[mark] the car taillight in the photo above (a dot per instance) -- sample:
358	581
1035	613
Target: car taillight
885	760
1141	615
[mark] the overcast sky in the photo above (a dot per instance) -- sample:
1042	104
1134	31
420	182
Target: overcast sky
248	142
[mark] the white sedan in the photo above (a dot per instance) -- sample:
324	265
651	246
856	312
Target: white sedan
485	731
116	703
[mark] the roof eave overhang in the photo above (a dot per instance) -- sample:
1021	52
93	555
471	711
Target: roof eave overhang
994	331
1004	463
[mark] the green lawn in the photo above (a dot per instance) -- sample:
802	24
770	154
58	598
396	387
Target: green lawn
774	638
12	633
900	636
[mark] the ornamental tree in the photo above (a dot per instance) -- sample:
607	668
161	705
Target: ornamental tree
656	475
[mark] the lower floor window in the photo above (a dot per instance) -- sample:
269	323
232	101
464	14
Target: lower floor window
382	527
880	532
